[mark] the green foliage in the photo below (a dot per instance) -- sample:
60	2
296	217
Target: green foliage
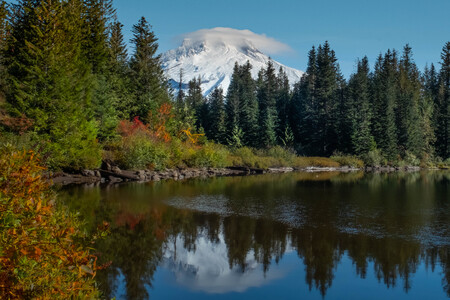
42	251
374	158
235	139
347	160
141	152
209	155
50	82
323	162
410	160
284	156
247	158
263	159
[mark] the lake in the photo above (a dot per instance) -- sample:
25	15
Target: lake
291	236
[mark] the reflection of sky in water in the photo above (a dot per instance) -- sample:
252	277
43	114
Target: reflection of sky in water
207	268
289	283
205	273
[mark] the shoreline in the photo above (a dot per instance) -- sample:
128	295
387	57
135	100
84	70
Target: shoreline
112	174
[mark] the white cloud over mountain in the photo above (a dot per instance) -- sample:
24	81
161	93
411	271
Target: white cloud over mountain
237	38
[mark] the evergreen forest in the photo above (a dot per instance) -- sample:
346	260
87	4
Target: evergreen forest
71	90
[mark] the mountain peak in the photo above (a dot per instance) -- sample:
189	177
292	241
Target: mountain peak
211	54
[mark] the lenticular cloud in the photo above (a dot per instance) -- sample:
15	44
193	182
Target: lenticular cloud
237	38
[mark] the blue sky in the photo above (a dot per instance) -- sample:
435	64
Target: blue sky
354	28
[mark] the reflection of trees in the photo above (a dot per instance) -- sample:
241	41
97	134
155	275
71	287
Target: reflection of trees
141	229
320	251
135	252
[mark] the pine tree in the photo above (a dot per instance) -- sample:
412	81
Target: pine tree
384	101
112	94
443	115
410	133
302	118
180	95
328	92
118	73
431	90
96	20
248	106
50	81
232	105
216	115
360	113
197	103
283	99
150	87
267	106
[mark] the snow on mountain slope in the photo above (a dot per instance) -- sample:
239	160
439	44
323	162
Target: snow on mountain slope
212	53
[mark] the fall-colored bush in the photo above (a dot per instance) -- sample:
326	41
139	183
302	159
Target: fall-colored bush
42	252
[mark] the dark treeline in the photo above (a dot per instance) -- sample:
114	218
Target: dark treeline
67	81
390	113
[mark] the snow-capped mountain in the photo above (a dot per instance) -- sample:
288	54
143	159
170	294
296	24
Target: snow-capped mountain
213	53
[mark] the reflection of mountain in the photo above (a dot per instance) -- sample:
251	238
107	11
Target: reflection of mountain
207	268
234	249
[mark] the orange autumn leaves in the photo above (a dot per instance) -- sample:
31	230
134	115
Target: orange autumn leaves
156	128
41	251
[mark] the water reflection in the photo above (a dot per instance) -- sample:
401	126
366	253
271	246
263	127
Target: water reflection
228	235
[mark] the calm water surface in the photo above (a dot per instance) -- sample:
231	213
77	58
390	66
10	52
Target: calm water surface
290	236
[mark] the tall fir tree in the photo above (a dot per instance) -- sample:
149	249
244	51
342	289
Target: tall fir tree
268	117
118	72
248	106
443	105
413	115
283	105
325	140
431	90
150	87
216	116
303	103
97	16
197	103
180	95
232	104
112	93
384	102
360	114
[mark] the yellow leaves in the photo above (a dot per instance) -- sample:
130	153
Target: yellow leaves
193	137
40	239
